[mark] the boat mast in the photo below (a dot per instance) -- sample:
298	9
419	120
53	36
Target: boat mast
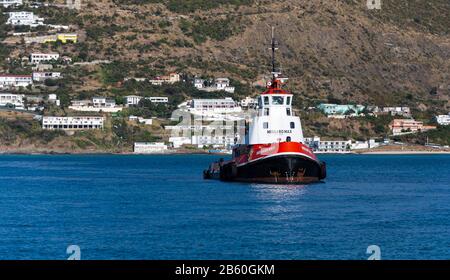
274	48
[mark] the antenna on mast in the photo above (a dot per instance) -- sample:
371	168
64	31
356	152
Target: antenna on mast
274	48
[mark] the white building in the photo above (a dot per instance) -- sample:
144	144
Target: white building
199	83
218	106
363	145
220	84
7	3
220	141
149	148
397	111
249	102
42	76
177	142
24	18
37	58
224	84
158	99
133	100
15	100
97	104
72	123
53	98
443	119
103	102
9	80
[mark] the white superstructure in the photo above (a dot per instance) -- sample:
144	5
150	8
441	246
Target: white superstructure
275	121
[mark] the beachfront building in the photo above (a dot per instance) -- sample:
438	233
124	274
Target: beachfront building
149	148
37	58
9	99
219	141
443	119
337	110
24	18
103	102
42	76
72	123
8	3
406	126
10	80
170	79
328	146
179	141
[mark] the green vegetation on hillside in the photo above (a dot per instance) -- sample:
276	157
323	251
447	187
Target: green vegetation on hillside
432	16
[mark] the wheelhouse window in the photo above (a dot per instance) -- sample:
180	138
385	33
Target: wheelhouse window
265	125
260	102
266	111
278	100
292	125
288	100
266	100
288	111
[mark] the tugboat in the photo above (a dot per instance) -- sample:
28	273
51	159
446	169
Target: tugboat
273	151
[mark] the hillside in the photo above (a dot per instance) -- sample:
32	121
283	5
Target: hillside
332	51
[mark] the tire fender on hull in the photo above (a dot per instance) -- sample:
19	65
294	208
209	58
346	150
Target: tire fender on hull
323	170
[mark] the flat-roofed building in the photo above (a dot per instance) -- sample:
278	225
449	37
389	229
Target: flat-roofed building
72	123
24	18
328	146
103	102
149	148
443	119
42	76
157	99
226	105
8	3
10	80
9	99
405	126
67	37
37	58
133	100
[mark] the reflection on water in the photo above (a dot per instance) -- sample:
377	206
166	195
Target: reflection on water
279	192
280	201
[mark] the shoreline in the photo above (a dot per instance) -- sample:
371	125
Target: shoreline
172	153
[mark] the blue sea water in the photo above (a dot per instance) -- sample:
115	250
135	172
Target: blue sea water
159	207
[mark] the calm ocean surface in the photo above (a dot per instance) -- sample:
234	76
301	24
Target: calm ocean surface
159	207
